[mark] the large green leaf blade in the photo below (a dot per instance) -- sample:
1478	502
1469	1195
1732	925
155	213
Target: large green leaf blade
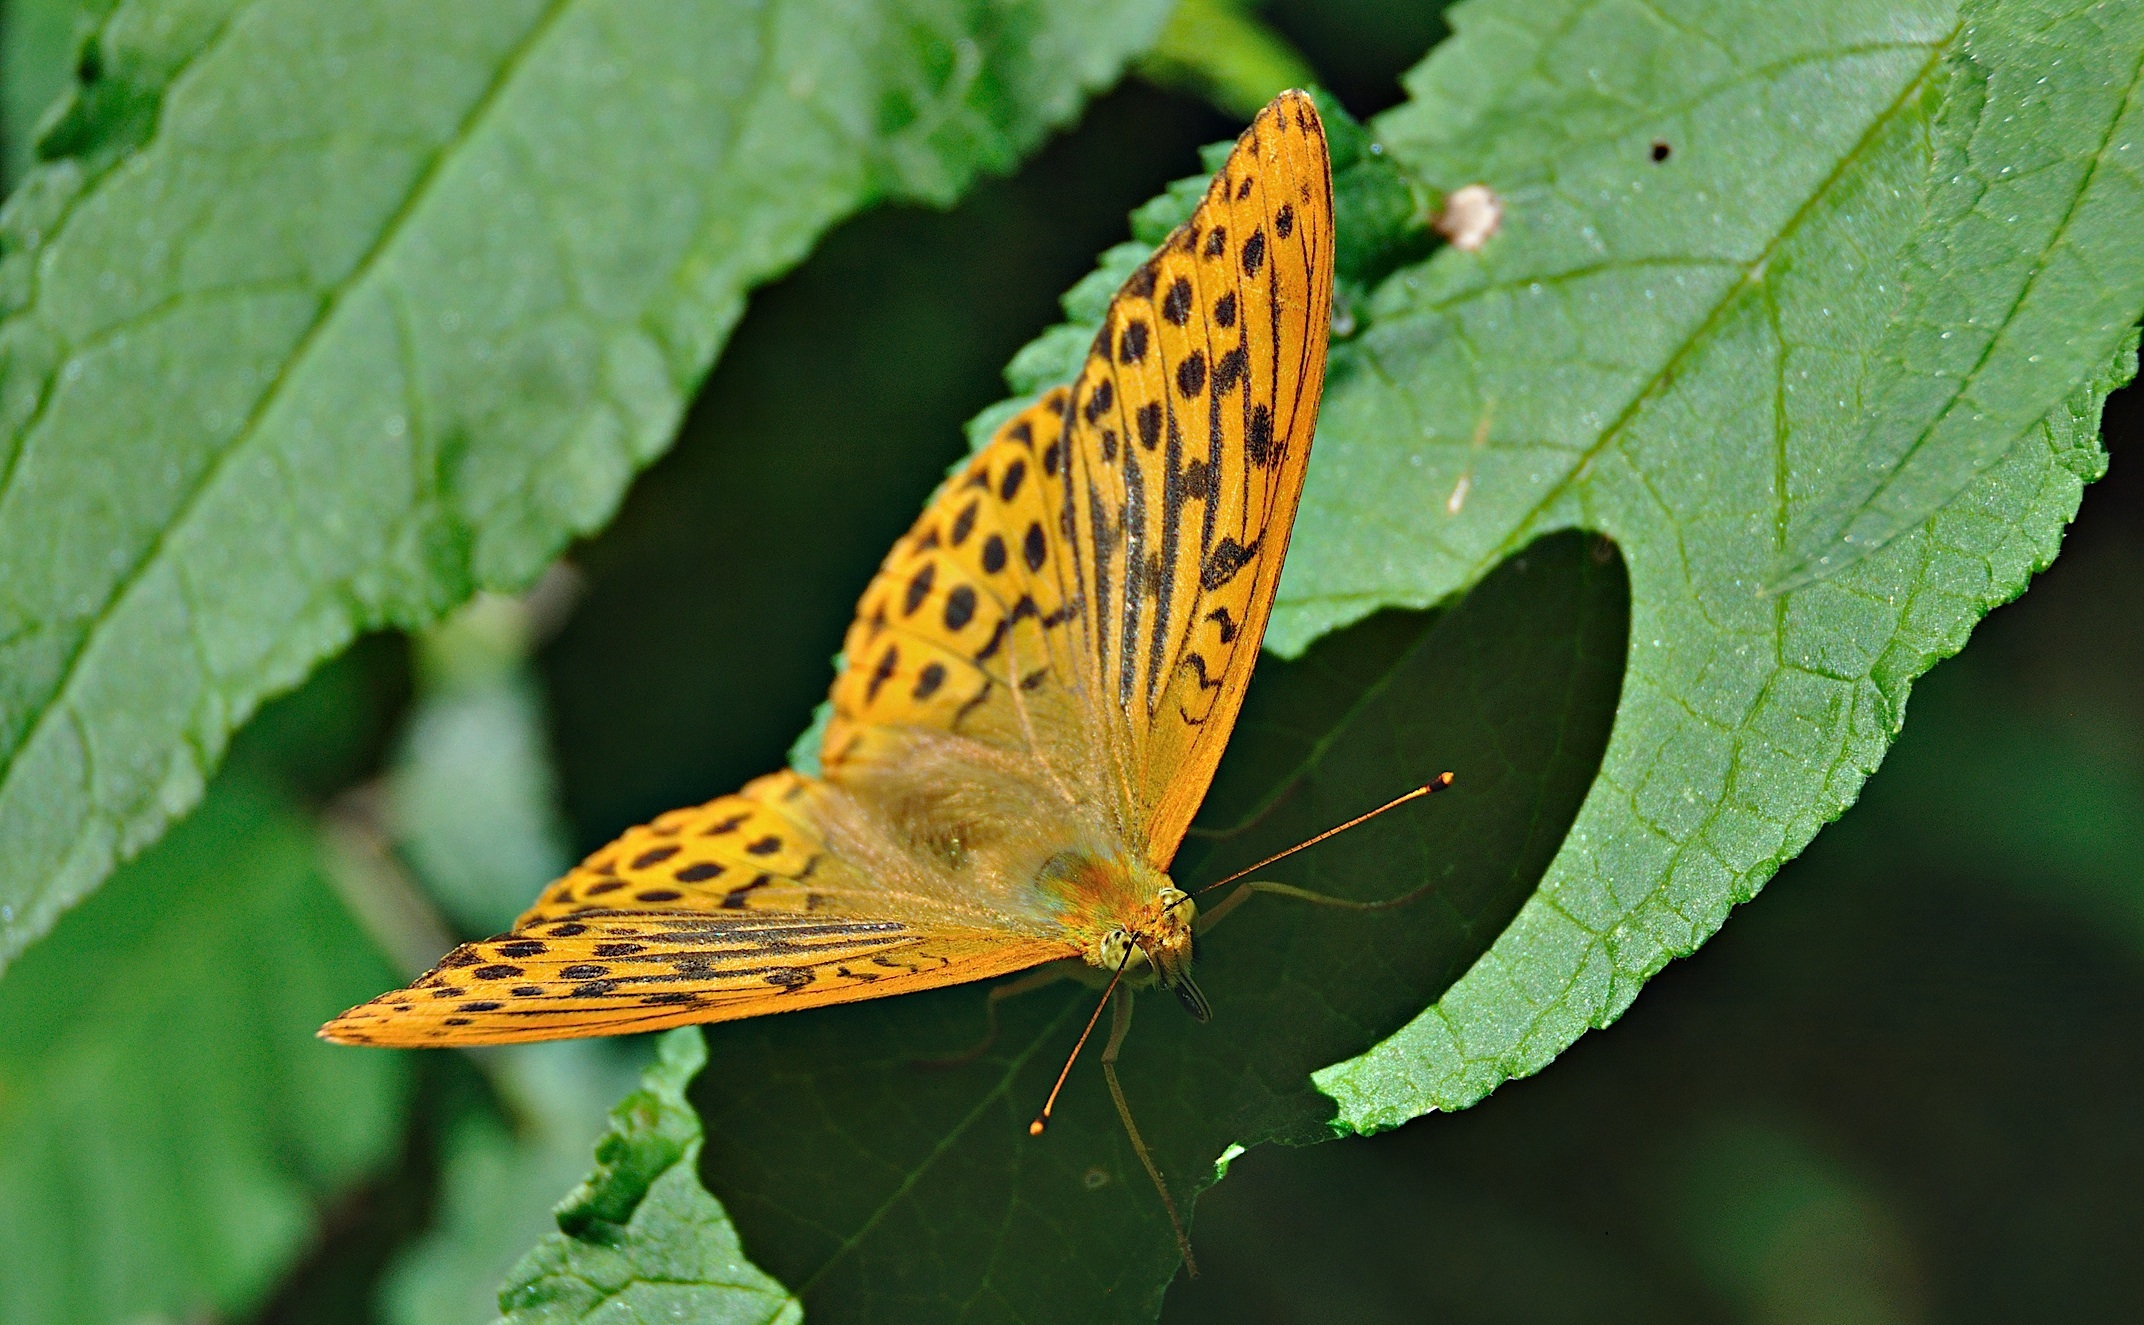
1665	352
322	317
168	1124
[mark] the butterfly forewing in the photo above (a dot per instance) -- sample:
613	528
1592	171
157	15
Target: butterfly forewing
615	972
1090	591
1189	434
963	629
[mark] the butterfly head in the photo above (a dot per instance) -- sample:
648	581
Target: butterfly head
1158	936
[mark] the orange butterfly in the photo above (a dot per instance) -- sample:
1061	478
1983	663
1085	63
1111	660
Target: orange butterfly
1038	686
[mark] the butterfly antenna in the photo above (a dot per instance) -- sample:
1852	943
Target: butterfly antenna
1042	1119
1434	785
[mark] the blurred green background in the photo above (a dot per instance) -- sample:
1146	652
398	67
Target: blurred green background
1901	1087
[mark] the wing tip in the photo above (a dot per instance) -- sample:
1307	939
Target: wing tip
337	1032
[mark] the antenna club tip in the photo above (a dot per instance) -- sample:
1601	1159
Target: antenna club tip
1035	1128
1440	782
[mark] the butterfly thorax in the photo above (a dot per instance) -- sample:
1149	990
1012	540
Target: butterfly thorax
1128	916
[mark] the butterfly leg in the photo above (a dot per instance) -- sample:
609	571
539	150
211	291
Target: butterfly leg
1120	1022
1243	894
1041	978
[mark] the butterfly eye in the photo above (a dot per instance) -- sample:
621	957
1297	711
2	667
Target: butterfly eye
1118	950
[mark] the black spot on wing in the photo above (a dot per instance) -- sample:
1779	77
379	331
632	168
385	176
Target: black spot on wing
887	663
734	899
959	607
919	588
1176	304
1149	420
1258	439
1100	400
1229	370
1191	374
1228	558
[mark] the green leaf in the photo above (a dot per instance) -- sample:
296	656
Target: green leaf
879	1187
169	1127
640	1239
1666	352
321	317
2020	281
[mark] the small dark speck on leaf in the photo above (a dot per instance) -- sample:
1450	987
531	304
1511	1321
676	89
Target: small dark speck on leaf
1660	150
